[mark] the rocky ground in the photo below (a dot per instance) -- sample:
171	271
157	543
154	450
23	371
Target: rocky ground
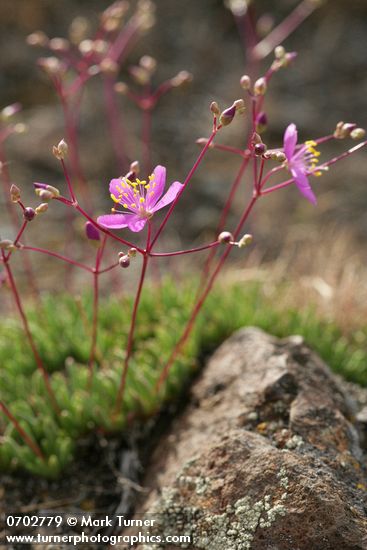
269	454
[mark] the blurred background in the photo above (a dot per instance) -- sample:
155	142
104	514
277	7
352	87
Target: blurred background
327	83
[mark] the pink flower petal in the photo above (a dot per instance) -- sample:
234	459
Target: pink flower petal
157	187
116	188
169	196
136	223
290	141
120	221
114	221
301	180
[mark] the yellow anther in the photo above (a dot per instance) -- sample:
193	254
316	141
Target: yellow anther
141	200
147	186
113	210
115	199
151	177
133	205
311	143
318	173
125	205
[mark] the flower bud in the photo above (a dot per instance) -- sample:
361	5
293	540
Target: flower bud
46	192
227	115
132	252
10	110
14	193
279	52
245	241
245	82
78	29
6	244
288	58
124	261
61	150
42	208
37	38
203	141
86	46
280	156
20	128
121	88
183	77
225	237
135	167
140	75
339	133
92	232
214	107
260	86
261	122
59	44
29	214
358	133
240	106
148	63
109	66
44	195
256	138
52	66
238	7
259	149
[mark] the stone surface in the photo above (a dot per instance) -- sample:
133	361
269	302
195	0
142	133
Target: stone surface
266	455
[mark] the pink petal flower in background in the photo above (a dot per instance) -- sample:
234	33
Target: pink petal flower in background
141	199
301	161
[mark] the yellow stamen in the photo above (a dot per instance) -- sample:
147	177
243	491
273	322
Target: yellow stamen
141	200
115	199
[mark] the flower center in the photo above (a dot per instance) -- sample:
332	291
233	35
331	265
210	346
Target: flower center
311	157
135	195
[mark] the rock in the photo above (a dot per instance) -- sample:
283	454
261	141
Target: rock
265	456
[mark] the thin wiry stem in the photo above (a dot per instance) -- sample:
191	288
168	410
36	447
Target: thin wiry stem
130	342
28	333
23	434
200	302
185	183
96	273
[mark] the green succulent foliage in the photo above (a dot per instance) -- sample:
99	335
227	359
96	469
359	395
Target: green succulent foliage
62	333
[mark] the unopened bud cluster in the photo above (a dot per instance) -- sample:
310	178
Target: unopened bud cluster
46	192
226	116
124	259
61	150
282	58
348	129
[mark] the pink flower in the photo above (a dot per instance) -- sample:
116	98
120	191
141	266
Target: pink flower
141	199
301	161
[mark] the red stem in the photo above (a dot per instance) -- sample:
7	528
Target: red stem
28	440
185	183
181	252
27	330
56	255
224	215
130	342
95	308
201	300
